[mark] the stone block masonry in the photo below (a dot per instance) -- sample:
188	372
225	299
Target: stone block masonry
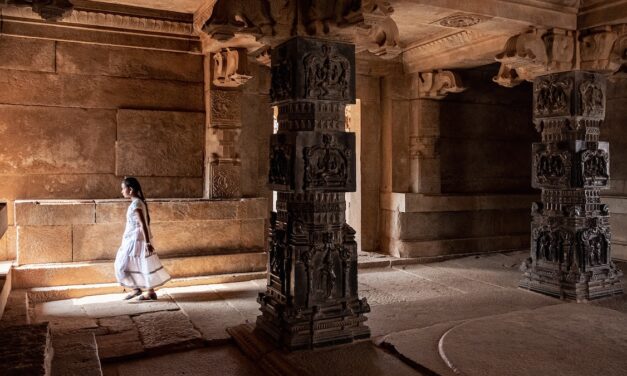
56	231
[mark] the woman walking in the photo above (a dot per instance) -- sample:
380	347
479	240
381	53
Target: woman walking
136	264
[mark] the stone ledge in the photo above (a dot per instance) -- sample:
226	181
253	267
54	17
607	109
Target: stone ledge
416	202
54	212
443	247
4	218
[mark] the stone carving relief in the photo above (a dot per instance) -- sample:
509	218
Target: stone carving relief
552	96
461	20
604	49
594	168
228	68
553	245
225	181
327	75
552	168
436	85
281	81
592	98
326	165
49	10
270	21
280	157
593	246
535	53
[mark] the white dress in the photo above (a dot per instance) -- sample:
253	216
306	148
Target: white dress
132	268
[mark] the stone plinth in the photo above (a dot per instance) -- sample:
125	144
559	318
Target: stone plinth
570	230
311	298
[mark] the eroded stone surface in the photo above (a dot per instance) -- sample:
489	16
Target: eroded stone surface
121	344
75	354
44	244
167	328
213	361
25	350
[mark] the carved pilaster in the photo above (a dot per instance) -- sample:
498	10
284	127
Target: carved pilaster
311	298
571	237
225	73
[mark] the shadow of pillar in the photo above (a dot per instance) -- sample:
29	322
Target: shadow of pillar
311	298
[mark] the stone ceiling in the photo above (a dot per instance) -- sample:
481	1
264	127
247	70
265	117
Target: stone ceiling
183	6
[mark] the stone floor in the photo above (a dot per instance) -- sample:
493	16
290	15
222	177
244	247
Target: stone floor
462	316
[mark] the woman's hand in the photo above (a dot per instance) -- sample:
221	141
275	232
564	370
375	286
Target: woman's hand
149	249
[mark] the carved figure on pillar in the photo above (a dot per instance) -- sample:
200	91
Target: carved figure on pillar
571	237
311	298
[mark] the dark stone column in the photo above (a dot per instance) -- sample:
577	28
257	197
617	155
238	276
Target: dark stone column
311	299
570	229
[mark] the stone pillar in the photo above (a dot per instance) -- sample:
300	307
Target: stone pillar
224	77
570	230
311	298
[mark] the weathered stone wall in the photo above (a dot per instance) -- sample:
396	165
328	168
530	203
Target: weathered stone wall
76	117
472	191
614	131
485	136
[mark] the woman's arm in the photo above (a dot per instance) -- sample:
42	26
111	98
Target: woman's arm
139	214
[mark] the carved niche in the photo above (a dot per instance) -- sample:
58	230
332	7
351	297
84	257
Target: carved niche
327	75
593	246
553	245
49	10
552	168
327	165
594	168
323	73
552	96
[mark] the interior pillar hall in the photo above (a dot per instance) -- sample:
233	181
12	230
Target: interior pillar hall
311	298
224	77
570	230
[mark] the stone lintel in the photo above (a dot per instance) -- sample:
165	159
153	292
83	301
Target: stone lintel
596	13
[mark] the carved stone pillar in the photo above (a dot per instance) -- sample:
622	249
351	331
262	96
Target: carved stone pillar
224	76
311	298
570	231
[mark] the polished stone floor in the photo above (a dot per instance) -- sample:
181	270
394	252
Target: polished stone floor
458	317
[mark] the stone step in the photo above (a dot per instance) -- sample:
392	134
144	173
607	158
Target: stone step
5	284
102	272
46	294
75	354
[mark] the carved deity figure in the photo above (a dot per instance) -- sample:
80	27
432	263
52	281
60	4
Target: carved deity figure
591	98
327	279
326	75
552	96
279	163
326	164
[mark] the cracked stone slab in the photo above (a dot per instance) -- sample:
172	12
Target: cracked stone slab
119	344
210	312
166	329
75	354
64	316
114	305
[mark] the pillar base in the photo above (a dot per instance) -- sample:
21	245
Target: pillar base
595	284
331	325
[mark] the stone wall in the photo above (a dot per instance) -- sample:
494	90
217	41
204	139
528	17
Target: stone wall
485	136
455	171
615	132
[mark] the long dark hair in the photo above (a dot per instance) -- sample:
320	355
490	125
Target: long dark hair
133	183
